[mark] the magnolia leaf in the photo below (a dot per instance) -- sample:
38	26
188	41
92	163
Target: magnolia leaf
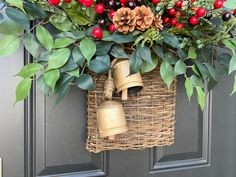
117	51
8	45
78	57
31	44
23	89
135	62
18	17
61	23
51	77
30	70
44	37
232	64
180	67
167	73
62	42
100	64
192	53
87	48
189	88
58	58
85	82
35	10
146	67
234	86
201	97
16	3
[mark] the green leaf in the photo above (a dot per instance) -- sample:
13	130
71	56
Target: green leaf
8	45
103	47
31	44
158	50
51	77
30	70
182	54
35	10
135	62
229	44
167	73
18	17
42	86
44	37
120	38
192	53
23	89
9	27
77	35
75	72
16	3
230	4
171	39
100	64
85	82
170	57
197	82
77	17
234	86
69	66
62	42
212	71
180	67
58	58
145	53
232	64
87	48
118	52
78	57
146	67
189	88
61	22
201	97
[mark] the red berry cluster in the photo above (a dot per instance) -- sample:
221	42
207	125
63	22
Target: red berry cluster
57	2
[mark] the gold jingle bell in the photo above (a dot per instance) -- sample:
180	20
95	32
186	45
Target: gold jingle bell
124	82
111	119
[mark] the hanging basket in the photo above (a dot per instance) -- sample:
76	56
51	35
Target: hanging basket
150	116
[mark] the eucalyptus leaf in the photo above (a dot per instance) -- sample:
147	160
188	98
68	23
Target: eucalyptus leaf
44	37
18	17
8	45
87	48
78	57
85	82
58	58
31	44
51	77
100	64
117	51
188	87
23	89
167	73
30	70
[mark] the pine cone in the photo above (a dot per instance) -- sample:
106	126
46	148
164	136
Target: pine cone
144	17
157	22
125	20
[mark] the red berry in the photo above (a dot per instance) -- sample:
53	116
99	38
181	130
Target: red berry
111	14
178	14
179	4
67	1
179	25
193	20
201	11
166	20
54	2
218	4
112	28
87	3
172	12
99	8
234	12
155	1
123	1
97	33
173	21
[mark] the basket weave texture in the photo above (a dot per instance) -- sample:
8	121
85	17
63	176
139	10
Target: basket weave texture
150	116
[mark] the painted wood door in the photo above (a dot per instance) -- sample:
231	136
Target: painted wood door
38	139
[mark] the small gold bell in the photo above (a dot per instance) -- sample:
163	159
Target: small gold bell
124	82
111	119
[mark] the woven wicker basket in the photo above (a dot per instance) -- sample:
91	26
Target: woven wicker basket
149	114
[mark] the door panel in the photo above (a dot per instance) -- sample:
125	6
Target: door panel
50	141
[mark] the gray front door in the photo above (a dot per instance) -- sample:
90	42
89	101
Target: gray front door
38	139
